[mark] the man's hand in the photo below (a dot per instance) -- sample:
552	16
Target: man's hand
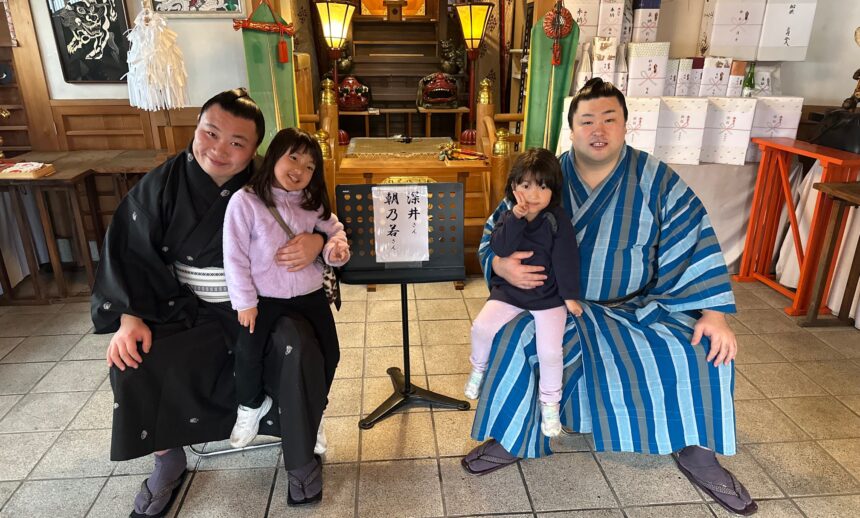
522	276
247	317
122	350
299	251
521	208
724	344
340	252
574	307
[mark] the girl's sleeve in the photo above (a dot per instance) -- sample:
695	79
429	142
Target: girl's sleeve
333	229
565	257
507	234
238	222
485	252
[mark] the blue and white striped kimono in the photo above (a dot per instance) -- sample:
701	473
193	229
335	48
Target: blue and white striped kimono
631	377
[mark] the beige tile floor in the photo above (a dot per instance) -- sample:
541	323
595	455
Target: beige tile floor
797	400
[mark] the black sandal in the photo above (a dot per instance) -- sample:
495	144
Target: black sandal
718	491
173	488
480	454
314	477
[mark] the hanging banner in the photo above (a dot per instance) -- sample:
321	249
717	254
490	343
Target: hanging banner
400	223
268	43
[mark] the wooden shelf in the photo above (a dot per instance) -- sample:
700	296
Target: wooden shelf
102	132
388	59
13	128
16	148
394	42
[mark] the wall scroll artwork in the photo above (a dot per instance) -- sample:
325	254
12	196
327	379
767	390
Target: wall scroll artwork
90	36
195	8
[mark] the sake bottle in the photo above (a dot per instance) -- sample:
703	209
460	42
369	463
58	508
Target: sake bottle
749	81
621	69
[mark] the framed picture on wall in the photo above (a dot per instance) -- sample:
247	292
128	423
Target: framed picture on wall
195	8
90	36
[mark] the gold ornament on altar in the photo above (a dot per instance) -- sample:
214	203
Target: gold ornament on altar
328	95
485	92
321	137
452	152
502	146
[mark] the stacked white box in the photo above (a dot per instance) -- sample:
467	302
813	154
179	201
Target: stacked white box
611	18
586	14
671	77
681	129
774	117
727	129
643	114
646	17
786	29
736	28
715	77
646	63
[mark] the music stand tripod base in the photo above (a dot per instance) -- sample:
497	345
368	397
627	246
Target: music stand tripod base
403	397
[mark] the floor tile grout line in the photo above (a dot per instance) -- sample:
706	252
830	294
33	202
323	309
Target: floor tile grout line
272	490
358	448
525	484
765	471
96	499
608	482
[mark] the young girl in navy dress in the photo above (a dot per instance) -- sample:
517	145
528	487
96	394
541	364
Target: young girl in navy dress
536	222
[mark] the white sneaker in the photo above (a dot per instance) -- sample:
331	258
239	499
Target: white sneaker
550	423
473	387
248	423
322	444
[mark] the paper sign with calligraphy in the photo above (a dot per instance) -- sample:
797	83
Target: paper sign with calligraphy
400	223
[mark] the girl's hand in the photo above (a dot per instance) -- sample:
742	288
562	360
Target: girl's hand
521	208
340	253
574	307
247	317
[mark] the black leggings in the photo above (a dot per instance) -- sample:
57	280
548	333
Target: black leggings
314	307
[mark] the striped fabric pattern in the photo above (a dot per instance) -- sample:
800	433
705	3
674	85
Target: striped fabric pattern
209	284
631	377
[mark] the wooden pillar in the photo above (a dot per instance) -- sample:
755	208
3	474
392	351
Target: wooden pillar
500	164
484	107
329	113
32	84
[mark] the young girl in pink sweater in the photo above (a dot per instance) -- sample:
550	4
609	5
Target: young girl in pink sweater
290	180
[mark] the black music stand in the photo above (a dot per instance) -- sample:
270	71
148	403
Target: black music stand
445	210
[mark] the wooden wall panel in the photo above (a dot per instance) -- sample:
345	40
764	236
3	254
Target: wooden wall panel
172	129
96	124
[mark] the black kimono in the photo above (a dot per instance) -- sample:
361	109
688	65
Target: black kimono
184	391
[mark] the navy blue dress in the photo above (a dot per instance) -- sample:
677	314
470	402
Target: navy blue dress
552	239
